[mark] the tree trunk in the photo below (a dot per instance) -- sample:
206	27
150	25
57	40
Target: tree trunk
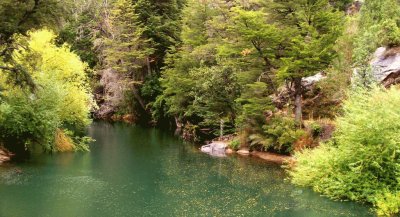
221	128
148	66
139	99
298	100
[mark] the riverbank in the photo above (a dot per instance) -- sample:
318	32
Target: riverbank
221	147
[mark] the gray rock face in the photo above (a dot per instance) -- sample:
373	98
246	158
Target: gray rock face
311	80
386	66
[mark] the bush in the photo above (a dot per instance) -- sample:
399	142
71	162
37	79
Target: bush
316	129
279	135
61	100
362	163
235	144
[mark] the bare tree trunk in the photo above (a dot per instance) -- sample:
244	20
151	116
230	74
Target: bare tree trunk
148	66
298	100
139	99
221	129
179	126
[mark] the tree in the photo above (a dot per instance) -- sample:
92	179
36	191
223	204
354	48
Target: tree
162	21
62	99
315	27
251	32
82	29
17	17
127	49
193	52
215	91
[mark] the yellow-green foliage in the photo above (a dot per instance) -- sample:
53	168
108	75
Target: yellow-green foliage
59	66
363	161
62	97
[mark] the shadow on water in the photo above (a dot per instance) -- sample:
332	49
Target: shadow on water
135	171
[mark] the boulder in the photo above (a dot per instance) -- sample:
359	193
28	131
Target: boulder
4	155
386	66
214	149
243	152
229	151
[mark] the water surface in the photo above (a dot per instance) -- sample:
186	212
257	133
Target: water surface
134	171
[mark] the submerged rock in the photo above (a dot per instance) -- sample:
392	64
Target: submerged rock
243	152
273	158
214	149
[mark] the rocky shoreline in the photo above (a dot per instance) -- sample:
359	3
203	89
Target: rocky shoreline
221	149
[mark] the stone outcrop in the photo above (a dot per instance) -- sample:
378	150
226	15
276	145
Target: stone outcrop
386	66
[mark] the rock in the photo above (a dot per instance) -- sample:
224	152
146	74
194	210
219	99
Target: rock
214	149
4	155
311	80
128	118
386	66
243	152
271	157
229	151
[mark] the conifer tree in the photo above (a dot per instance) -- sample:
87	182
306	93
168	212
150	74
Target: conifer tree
126	48
315	26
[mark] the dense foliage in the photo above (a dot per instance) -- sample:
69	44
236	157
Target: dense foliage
264	47
61	99
362	162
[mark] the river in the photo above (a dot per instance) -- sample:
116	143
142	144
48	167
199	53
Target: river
135	171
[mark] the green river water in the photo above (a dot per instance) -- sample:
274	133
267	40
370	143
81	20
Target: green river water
135	171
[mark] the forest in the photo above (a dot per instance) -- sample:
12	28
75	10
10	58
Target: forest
312	79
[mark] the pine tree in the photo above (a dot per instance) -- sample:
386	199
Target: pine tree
126	48
162	21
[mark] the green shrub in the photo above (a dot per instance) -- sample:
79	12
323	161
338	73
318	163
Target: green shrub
316	129
363	161
279	135
235	144
29	120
